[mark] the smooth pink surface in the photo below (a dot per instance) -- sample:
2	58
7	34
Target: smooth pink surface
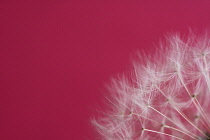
55	57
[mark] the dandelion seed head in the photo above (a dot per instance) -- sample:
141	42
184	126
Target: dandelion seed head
167	97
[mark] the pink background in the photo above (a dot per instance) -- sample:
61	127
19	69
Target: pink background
55	57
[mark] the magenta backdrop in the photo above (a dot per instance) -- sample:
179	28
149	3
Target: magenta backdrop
55	57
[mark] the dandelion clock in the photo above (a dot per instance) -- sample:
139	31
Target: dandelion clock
166	96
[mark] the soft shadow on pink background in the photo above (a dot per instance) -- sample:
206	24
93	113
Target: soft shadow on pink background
55	57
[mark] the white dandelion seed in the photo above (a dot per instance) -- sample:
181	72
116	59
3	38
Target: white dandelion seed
167	97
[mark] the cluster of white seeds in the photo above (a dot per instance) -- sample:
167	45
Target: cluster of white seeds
166	96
